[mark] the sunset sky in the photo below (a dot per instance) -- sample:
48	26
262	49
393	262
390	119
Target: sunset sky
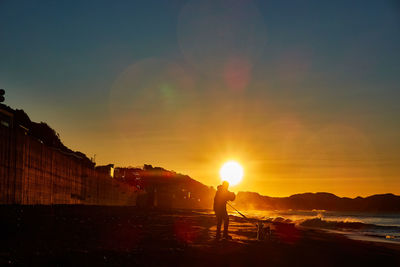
304	94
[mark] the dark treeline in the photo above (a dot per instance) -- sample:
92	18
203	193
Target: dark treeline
41	131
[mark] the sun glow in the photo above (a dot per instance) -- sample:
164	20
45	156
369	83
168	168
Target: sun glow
231	172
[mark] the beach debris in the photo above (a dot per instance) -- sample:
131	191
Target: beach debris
260	230
263	232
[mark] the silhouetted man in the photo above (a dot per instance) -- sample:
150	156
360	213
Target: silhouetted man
221	197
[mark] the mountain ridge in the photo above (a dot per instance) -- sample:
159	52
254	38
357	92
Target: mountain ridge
319	201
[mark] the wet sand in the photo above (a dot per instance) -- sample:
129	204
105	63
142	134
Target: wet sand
126	236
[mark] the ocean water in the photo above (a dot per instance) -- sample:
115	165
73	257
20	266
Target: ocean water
362	226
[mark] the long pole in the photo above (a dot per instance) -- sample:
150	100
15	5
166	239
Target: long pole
241	213
259	225
237	211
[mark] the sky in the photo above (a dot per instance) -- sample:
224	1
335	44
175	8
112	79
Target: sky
304	94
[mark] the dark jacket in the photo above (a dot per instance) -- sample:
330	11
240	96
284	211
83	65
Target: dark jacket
221	197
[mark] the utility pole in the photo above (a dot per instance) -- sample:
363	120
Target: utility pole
2	92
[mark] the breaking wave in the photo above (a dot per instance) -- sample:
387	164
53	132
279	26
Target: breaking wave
319	222
355	229
362	226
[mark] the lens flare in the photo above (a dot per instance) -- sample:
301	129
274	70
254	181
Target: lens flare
233	40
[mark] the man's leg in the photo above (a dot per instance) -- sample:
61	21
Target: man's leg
219	222
226	224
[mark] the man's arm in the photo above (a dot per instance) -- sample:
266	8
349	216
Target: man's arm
232	196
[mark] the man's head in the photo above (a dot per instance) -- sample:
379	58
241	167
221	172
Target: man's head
225	185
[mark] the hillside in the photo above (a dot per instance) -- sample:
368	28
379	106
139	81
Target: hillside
42	132
164	188
319	201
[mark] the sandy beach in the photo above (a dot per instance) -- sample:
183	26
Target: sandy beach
123	236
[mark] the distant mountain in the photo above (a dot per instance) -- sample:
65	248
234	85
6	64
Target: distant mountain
319	201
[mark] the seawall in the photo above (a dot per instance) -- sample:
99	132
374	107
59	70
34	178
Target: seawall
33	173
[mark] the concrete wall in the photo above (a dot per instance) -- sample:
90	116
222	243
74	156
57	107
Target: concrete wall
33	173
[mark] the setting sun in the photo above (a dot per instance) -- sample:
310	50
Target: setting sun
231	172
